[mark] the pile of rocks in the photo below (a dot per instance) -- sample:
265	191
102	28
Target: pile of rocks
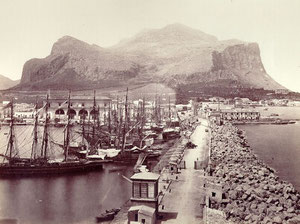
253	192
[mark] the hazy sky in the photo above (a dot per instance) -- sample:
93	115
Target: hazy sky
28	28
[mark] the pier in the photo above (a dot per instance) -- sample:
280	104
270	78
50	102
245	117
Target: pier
181	192
219	181
185	193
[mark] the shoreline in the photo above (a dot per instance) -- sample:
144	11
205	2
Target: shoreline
254	193
267	151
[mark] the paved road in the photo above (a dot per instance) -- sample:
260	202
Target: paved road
185	193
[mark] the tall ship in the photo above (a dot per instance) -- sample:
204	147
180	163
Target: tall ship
39	162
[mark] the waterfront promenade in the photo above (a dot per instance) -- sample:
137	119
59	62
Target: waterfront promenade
186	192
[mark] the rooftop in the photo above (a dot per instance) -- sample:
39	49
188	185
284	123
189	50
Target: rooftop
143	209
87	98
239	110
145	176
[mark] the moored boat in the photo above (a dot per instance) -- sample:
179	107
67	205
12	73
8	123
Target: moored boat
39	163
47	168
107	215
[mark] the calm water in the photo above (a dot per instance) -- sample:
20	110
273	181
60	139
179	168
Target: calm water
61	199
278	145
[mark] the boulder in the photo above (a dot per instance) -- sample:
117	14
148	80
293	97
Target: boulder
233	194
291	210
277	219
294	220
262	208
253	206
267	220
294	197
279	209
247	217
245	196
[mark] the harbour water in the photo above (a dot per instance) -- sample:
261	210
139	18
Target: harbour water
64	199
79	198
278	145
60	199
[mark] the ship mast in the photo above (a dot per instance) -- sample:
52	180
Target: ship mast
125	122
11	137
159	111
109	117
143	117
45	135
169	111
67	139
35	134
83	128
120	124
98	118
94	118
10	145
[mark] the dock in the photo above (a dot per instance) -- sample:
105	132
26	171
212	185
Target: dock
181	194
185	195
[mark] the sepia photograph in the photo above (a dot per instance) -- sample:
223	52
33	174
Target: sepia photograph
149	111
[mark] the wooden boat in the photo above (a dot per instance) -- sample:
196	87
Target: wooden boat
39	163
108	215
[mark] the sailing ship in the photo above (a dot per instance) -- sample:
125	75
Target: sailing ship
96	141
39	162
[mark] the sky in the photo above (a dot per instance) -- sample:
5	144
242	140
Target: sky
28	28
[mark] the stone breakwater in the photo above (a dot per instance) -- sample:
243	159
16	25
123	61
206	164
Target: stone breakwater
252	192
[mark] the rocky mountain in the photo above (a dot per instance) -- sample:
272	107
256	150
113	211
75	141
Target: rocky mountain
6	83
175	54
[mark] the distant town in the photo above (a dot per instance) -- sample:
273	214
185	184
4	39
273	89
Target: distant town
82	106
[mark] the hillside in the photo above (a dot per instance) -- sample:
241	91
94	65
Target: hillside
6	83
173	55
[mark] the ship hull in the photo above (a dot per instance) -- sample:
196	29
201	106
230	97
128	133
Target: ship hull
7	170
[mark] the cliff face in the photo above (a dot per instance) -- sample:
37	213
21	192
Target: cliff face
239	57
175	54
243	64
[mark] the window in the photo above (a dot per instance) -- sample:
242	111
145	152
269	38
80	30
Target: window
136	190
136	217
144	190
213	194
151	190
143	221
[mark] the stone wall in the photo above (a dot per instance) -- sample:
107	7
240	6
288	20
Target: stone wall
214	216
255	193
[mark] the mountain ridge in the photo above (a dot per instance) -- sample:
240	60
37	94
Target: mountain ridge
174	54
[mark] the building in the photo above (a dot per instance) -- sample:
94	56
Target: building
141	214
215	116
22	111
80	107
144	198
239	114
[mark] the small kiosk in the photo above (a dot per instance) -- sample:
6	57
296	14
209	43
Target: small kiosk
144	198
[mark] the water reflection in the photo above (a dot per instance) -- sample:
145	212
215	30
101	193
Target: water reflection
64	199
